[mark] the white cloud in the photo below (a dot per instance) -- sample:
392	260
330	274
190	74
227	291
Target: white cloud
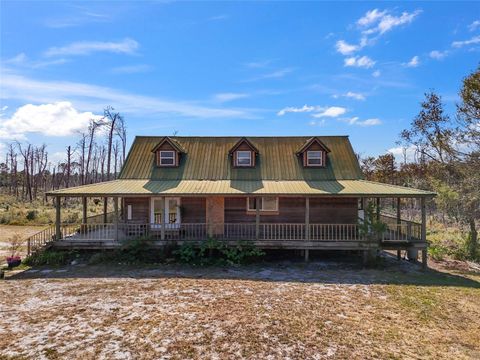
474	25
403	154
472	41
21	60
87	97
414	62
368	122
280	73
224	97
57	119
132	69
333	111
371	17
218	17
126	46
376	22
376	73
346	49
258	64
438	55
354	95
319	111
292	109
363	62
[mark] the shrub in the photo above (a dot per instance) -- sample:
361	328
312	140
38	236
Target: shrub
31	215
135	251
50	257
212	252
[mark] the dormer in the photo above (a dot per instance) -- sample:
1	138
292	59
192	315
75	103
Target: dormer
313	153
243	154
168	153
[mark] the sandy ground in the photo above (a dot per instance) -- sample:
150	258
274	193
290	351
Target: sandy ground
319	310
6	231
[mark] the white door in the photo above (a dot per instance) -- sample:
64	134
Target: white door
170	212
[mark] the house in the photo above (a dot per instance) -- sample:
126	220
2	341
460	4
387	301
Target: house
280	192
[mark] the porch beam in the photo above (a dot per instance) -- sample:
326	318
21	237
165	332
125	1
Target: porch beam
105	209
307	218
115	210
84	210
378	208
424	232
399	222
162	206
58	233
257	218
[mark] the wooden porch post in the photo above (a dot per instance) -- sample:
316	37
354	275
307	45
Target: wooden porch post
105	204
307	218
257	218
378	209
115	209
424	233
58	233
307	226
84	210
399	222
162	231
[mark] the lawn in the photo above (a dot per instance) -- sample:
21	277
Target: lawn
323	309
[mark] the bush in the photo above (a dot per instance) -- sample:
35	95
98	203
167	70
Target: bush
135	251
31	215
50	257
214	252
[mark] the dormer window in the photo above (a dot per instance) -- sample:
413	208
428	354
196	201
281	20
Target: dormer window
166	158
244	158
313	153
314	158
243	154
168	153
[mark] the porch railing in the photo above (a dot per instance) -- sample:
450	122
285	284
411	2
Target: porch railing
265	232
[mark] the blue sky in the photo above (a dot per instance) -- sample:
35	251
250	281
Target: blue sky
230	68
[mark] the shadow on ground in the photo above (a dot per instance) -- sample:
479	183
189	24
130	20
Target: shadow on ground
321	269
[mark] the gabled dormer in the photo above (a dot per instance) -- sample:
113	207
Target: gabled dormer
243	154
313	153
168	153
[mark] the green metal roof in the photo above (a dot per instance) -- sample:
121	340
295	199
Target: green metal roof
207	158
347	188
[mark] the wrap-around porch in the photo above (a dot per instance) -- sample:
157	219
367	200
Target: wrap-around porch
296	223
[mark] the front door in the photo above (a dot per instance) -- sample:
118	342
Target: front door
170	213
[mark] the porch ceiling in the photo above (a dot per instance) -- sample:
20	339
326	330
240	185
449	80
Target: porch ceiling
347	188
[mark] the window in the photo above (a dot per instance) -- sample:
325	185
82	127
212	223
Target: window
267	203
314	158
129	212
166	158
244	158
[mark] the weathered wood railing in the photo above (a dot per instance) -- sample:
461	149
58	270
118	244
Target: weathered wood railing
403	230
266	232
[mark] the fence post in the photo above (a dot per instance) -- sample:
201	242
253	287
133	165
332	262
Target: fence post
28	247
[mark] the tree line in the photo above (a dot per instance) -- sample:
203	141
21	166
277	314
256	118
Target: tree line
27	171
441	152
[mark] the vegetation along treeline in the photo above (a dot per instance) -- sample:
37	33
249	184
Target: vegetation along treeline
27	172
441	153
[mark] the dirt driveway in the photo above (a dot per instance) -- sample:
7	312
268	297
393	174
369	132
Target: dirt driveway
320	310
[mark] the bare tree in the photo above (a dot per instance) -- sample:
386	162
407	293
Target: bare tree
110	119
